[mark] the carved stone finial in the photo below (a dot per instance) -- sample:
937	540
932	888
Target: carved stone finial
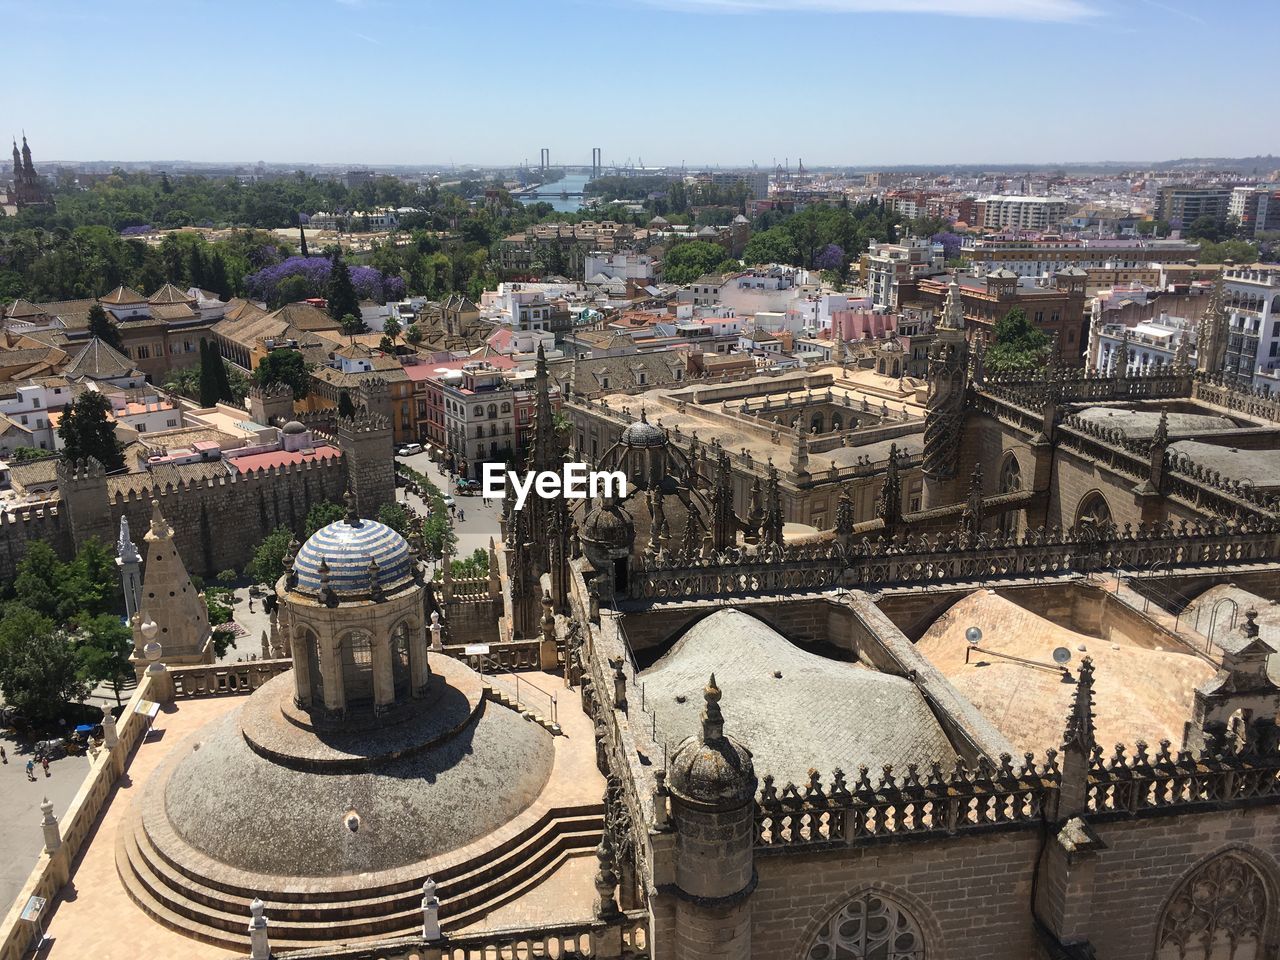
712	718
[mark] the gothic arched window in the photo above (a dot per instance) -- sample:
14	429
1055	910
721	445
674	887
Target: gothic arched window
1094	513
870	927
1217	912
1011	475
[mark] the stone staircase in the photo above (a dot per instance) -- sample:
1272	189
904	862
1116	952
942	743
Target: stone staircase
216	912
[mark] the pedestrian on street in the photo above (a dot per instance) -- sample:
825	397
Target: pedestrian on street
4	757
31	770
44	765
251	603
462	516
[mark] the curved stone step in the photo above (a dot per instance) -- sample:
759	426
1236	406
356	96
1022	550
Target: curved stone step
188	904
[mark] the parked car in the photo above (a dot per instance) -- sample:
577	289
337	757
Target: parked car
469	488
410	449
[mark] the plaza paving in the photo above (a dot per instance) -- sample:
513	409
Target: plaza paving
21	838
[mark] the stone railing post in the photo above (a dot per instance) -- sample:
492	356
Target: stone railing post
52	832
162	687
430	911
259	945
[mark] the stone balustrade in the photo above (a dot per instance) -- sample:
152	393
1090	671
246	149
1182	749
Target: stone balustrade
840	813
624	937
511	655
990	797
52	870
215	679
922	559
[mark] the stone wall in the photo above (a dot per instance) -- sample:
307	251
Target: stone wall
1144	860
45	524
217	524
970	895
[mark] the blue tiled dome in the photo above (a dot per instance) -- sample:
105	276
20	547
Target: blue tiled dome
347	549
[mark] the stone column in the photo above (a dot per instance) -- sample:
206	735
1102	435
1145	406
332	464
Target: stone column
419	664
52	832
384	685
335	692
259	945
437	629
548	656
301	656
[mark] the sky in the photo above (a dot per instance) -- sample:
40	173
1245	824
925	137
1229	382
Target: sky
697	82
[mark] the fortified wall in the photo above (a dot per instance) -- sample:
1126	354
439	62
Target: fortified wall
217	523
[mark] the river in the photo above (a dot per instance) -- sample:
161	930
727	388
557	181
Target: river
571	182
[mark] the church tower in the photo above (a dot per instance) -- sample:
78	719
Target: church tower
948	383
170	601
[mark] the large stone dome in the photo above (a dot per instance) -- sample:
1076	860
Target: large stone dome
347	548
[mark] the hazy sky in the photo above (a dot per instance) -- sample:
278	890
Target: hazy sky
697	81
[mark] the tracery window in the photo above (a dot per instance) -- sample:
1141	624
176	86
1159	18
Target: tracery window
1216	913
871	927
1094	512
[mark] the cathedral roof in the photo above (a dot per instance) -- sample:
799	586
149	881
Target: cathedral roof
346	548
793	709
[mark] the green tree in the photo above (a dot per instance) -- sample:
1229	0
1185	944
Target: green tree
341	292
267	565
39	670
102	327
1239	251
771	246
87	431
353	324
413	334
284	366
394	516
38	574
208	373
323	514
89	586
1018	345
103	646
686	262
469	568
391	327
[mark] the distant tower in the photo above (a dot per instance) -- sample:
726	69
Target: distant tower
944	417
546	159
365	442
130	563
596	164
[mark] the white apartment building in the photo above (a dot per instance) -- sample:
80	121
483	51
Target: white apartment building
602	266
766	290
1151	344
29	407
885	266
1021	213
1045	257
1253	309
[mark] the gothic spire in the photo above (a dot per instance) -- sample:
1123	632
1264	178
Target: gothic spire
542	452
771	529
889	505
1080	733
952	307
712	718
1211	338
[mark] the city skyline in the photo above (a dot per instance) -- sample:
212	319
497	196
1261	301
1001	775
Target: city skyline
426	85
